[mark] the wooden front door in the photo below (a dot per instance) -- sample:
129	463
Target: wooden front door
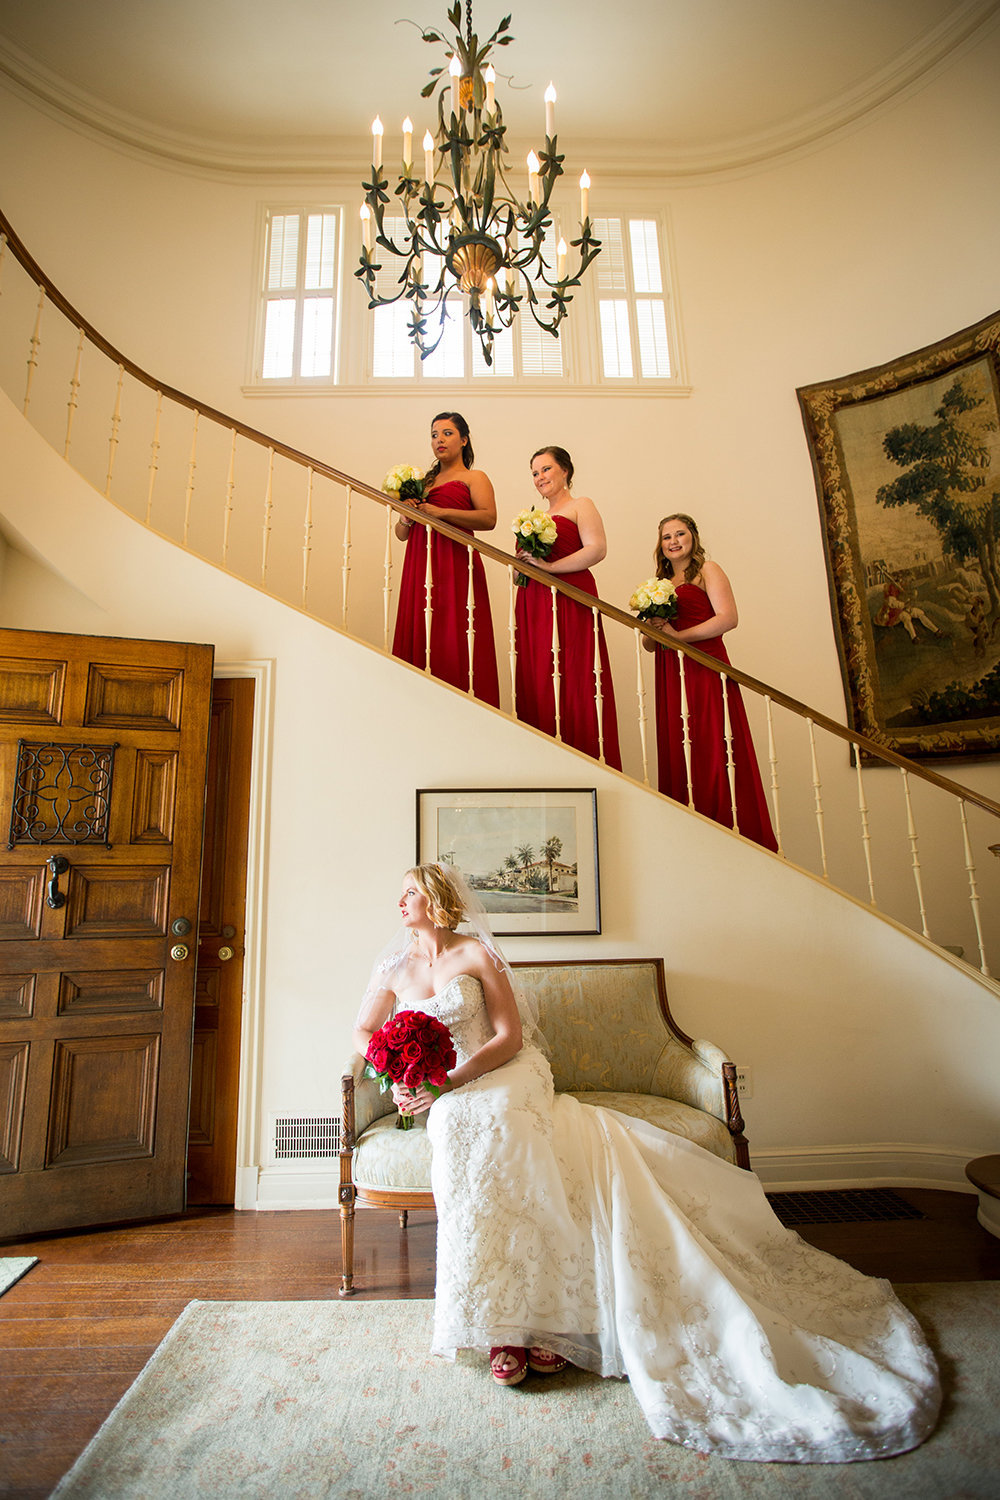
215	1072
102	793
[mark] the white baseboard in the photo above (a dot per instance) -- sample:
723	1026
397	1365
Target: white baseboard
785	1169
286	1186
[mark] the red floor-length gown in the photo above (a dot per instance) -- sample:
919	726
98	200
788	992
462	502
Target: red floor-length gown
710	791
536	702
449	605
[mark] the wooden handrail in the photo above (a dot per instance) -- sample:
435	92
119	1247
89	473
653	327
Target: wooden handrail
612	612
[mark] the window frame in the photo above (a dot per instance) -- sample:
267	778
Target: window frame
296	382
579	335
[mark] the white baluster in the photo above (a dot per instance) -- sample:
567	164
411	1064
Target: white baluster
74	393
307	535
685	725
265	541
911	833
154	456
472	626
598	695
116	422
345	571
641	696
556	669
36	341
866	837
192	465
227	510
428	581
390	516
970	867
818	798
512	636
772	755
727	736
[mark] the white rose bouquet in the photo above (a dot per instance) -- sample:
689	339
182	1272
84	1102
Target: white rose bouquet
536	534
405	482
656	599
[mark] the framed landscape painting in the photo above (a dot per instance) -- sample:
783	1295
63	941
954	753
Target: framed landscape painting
907	466
530	856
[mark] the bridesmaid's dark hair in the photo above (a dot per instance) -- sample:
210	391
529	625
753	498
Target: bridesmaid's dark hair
468	457
561	457
664	567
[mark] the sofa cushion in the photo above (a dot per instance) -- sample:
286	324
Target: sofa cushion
385	1157
693	1124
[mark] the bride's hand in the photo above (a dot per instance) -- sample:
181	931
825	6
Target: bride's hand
411	1101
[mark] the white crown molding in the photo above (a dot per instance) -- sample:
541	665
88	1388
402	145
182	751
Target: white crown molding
309	157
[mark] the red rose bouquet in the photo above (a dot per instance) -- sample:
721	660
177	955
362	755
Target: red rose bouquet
410	1049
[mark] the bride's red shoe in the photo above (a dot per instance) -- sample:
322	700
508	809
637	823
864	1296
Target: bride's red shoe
517	1371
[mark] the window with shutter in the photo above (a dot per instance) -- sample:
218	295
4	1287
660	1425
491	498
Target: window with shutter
296	343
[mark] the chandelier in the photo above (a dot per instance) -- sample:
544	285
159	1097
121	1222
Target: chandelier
465	230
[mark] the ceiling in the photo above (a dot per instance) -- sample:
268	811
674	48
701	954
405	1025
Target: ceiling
673	85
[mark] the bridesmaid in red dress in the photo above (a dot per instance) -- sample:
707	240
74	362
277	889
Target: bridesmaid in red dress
463	496
705	610
580	543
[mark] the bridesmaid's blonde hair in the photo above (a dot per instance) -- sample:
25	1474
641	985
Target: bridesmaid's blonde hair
664	567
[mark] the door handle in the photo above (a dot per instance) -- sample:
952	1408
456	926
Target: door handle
225	954
58	865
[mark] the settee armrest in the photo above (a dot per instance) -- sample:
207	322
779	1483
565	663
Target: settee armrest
693	1076
367	1102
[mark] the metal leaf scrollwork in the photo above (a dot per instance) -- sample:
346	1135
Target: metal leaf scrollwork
62	794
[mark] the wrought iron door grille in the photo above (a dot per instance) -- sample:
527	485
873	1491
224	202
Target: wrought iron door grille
62	794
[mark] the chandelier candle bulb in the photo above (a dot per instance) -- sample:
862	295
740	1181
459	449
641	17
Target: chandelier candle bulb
407	142
455	69
561	251
377	129
366	227
490	79
488	299
584	196
428	157
533	166
550	111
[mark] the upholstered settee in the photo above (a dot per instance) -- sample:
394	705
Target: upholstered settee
611	1041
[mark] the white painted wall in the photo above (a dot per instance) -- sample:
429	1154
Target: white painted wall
839	258
872	1056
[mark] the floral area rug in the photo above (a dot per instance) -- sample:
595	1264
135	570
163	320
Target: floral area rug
341	1399
13	1267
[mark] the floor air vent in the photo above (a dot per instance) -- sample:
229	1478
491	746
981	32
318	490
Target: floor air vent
848	1206
304	1139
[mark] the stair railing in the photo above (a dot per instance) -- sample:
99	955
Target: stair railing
906	842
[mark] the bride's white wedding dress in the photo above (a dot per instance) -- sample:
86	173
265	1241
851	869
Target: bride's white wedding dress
635	1253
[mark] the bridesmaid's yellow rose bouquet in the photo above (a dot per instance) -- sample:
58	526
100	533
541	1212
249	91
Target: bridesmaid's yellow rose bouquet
405	482
536	533
656	599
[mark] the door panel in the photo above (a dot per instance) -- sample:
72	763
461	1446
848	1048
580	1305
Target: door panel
219	993
102	783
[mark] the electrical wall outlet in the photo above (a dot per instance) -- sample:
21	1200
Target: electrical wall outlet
744	1082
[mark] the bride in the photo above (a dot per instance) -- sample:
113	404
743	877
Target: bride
568	1233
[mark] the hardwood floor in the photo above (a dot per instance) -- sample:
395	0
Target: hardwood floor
76	1331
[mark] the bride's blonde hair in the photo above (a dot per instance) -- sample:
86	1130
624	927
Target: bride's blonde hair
444	905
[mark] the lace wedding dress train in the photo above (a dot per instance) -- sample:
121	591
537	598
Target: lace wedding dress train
635	1253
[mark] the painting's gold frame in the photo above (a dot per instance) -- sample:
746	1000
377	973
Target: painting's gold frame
846	567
